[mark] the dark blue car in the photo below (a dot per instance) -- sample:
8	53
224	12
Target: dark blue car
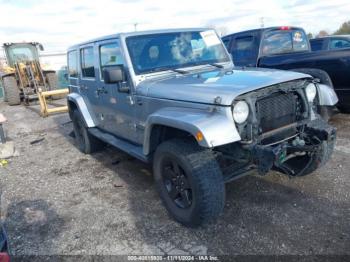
288	48
4	256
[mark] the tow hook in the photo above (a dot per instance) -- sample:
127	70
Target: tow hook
266	157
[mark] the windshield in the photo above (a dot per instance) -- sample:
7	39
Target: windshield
284	41
166	51
21	53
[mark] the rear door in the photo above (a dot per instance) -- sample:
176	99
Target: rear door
73	71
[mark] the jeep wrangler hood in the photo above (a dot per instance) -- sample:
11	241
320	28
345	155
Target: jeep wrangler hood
205	87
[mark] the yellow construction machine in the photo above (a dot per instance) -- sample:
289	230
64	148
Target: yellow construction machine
24	80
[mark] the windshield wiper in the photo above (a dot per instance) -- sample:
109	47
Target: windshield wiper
159	69
180	71
216	65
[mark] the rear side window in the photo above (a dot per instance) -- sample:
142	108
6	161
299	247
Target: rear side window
226	42
339	43
316	45
244	43
284	41
87	62
73	64
110	55
243	49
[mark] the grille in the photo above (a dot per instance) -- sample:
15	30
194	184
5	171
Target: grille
277	110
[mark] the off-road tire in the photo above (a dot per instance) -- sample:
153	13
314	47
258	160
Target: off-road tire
4	97
204	176
11	90
321	157
85	142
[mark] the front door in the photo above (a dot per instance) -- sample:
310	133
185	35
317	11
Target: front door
116	106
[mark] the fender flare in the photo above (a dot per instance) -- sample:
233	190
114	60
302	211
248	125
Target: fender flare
217	126
79	102
326	95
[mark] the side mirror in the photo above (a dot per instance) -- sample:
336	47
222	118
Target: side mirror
113	74
41	48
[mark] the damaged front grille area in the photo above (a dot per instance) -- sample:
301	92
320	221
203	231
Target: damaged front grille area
278	110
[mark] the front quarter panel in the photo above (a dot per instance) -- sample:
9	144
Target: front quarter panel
327	95
216	124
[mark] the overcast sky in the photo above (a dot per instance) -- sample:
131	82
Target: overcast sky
58	24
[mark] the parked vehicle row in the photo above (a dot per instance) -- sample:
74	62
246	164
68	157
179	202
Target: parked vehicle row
174	99
288	48
333	42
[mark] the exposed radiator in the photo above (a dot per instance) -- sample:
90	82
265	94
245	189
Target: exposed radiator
277	110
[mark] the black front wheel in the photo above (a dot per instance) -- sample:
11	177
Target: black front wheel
189	181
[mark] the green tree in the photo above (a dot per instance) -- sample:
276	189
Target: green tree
310	36
343	29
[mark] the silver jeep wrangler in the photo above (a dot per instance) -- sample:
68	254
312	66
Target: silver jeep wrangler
174	98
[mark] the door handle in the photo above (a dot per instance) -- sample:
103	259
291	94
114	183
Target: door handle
139	101
101	90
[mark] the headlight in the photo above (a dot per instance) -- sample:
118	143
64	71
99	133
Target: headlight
311	92
240	112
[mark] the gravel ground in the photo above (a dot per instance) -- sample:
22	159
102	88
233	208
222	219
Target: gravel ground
56	200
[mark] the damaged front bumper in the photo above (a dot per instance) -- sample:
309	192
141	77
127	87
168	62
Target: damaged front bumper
295	156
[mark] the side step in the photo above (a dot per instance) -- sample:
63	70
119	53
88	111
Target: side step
131	149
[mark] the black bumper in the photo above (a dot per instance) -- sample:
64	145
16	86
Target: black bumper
266	158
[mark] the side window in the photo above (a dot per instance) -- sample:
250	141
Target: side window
72	64
339	43
316	45
87	62
243	48
226	42
110	55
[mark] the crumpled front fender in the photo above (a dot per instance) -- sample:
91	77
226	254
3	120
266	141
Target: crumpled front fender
326	95
216	124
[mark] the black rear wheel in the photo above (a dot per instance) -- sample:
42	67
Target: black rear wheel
189	181
86	142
